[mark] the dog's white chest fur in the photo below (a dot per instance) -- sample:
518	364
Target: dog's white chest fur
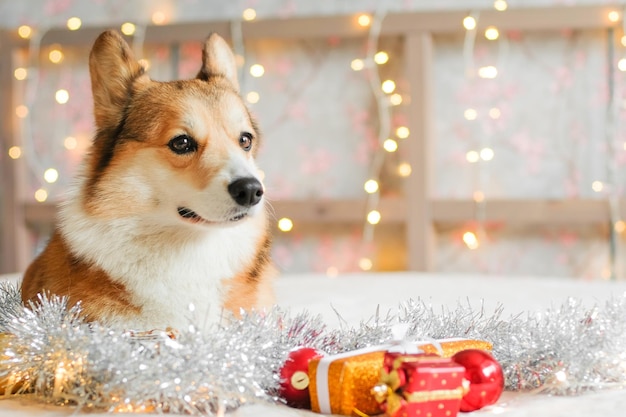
176	276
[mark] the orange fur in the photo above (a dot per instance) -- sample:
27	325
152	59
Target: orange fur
249	287
78	283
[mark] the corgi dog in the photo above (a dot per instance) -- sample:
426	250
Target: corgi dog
167	225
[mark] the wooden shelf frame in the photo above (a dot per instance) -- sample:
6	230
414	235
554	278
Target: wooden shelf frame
346	26
417	211
395	210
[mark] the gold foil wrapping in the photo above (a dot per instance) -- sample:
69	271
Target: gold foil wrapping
351	379
452	346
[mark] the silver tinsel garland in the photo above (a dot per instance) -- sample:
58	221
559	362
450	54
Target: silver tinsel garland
51	352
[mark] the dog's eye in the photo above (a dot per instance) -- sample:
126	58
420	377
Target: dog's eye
182	144
245	141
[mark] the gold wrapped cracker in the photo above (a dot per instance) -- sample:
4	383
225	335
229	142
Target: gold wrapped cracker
342	384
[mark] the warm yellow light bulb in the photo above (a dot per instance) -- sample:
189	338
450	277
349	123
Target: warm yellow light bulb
381	57
388	86
492	33
472	156
158	18
253	97
249	14
620	226
51	175
395	99
74	23
614	16
370	186
488	72
494	113
62	96
500	5
257	70
373	217
55	56
469	23
24	31
479	196
470	114
357	64
402	132
15	152
364	20
597	186
285	224
404	169
365	264
128	28
70	143
41	195
621	64
470	240
20	74
487	154
21	111
390	145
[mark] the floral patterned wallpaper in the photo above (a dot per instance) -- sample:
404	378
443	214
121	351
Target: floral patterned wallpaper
543	118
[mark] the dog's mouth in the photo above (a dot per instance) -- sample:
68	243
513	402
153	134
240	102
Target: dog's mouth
191	216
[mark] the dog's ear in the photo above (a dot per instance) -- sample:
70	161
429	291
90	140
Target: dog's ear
218	59
115	75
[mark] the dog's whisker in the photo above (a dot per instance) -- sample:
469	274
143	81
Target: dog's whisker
271	211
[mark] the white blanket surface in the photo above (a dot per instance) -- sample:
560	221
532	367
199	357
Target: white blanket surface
356	297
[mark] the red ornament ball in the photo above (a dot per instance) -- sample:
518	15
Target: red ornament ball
294	377
485	376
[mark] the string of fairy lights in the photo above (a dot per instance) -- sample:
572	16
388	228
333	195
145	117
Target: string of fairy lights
473	238
384	91
30	74
484	154
612	139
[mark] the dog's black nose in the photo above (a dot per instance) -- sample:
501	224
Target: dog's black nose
246	191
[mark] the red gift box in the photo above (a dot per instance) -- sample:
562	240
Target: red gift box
420	385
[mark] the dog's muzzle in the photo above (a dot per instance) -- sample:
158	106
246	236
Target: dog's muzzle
246	191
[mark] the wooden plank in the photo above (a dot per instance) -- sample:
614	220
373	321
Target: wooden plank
395	211
395	24
420	231
522	19
14	235
392	210
345	26
557	212
7	173
42	215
